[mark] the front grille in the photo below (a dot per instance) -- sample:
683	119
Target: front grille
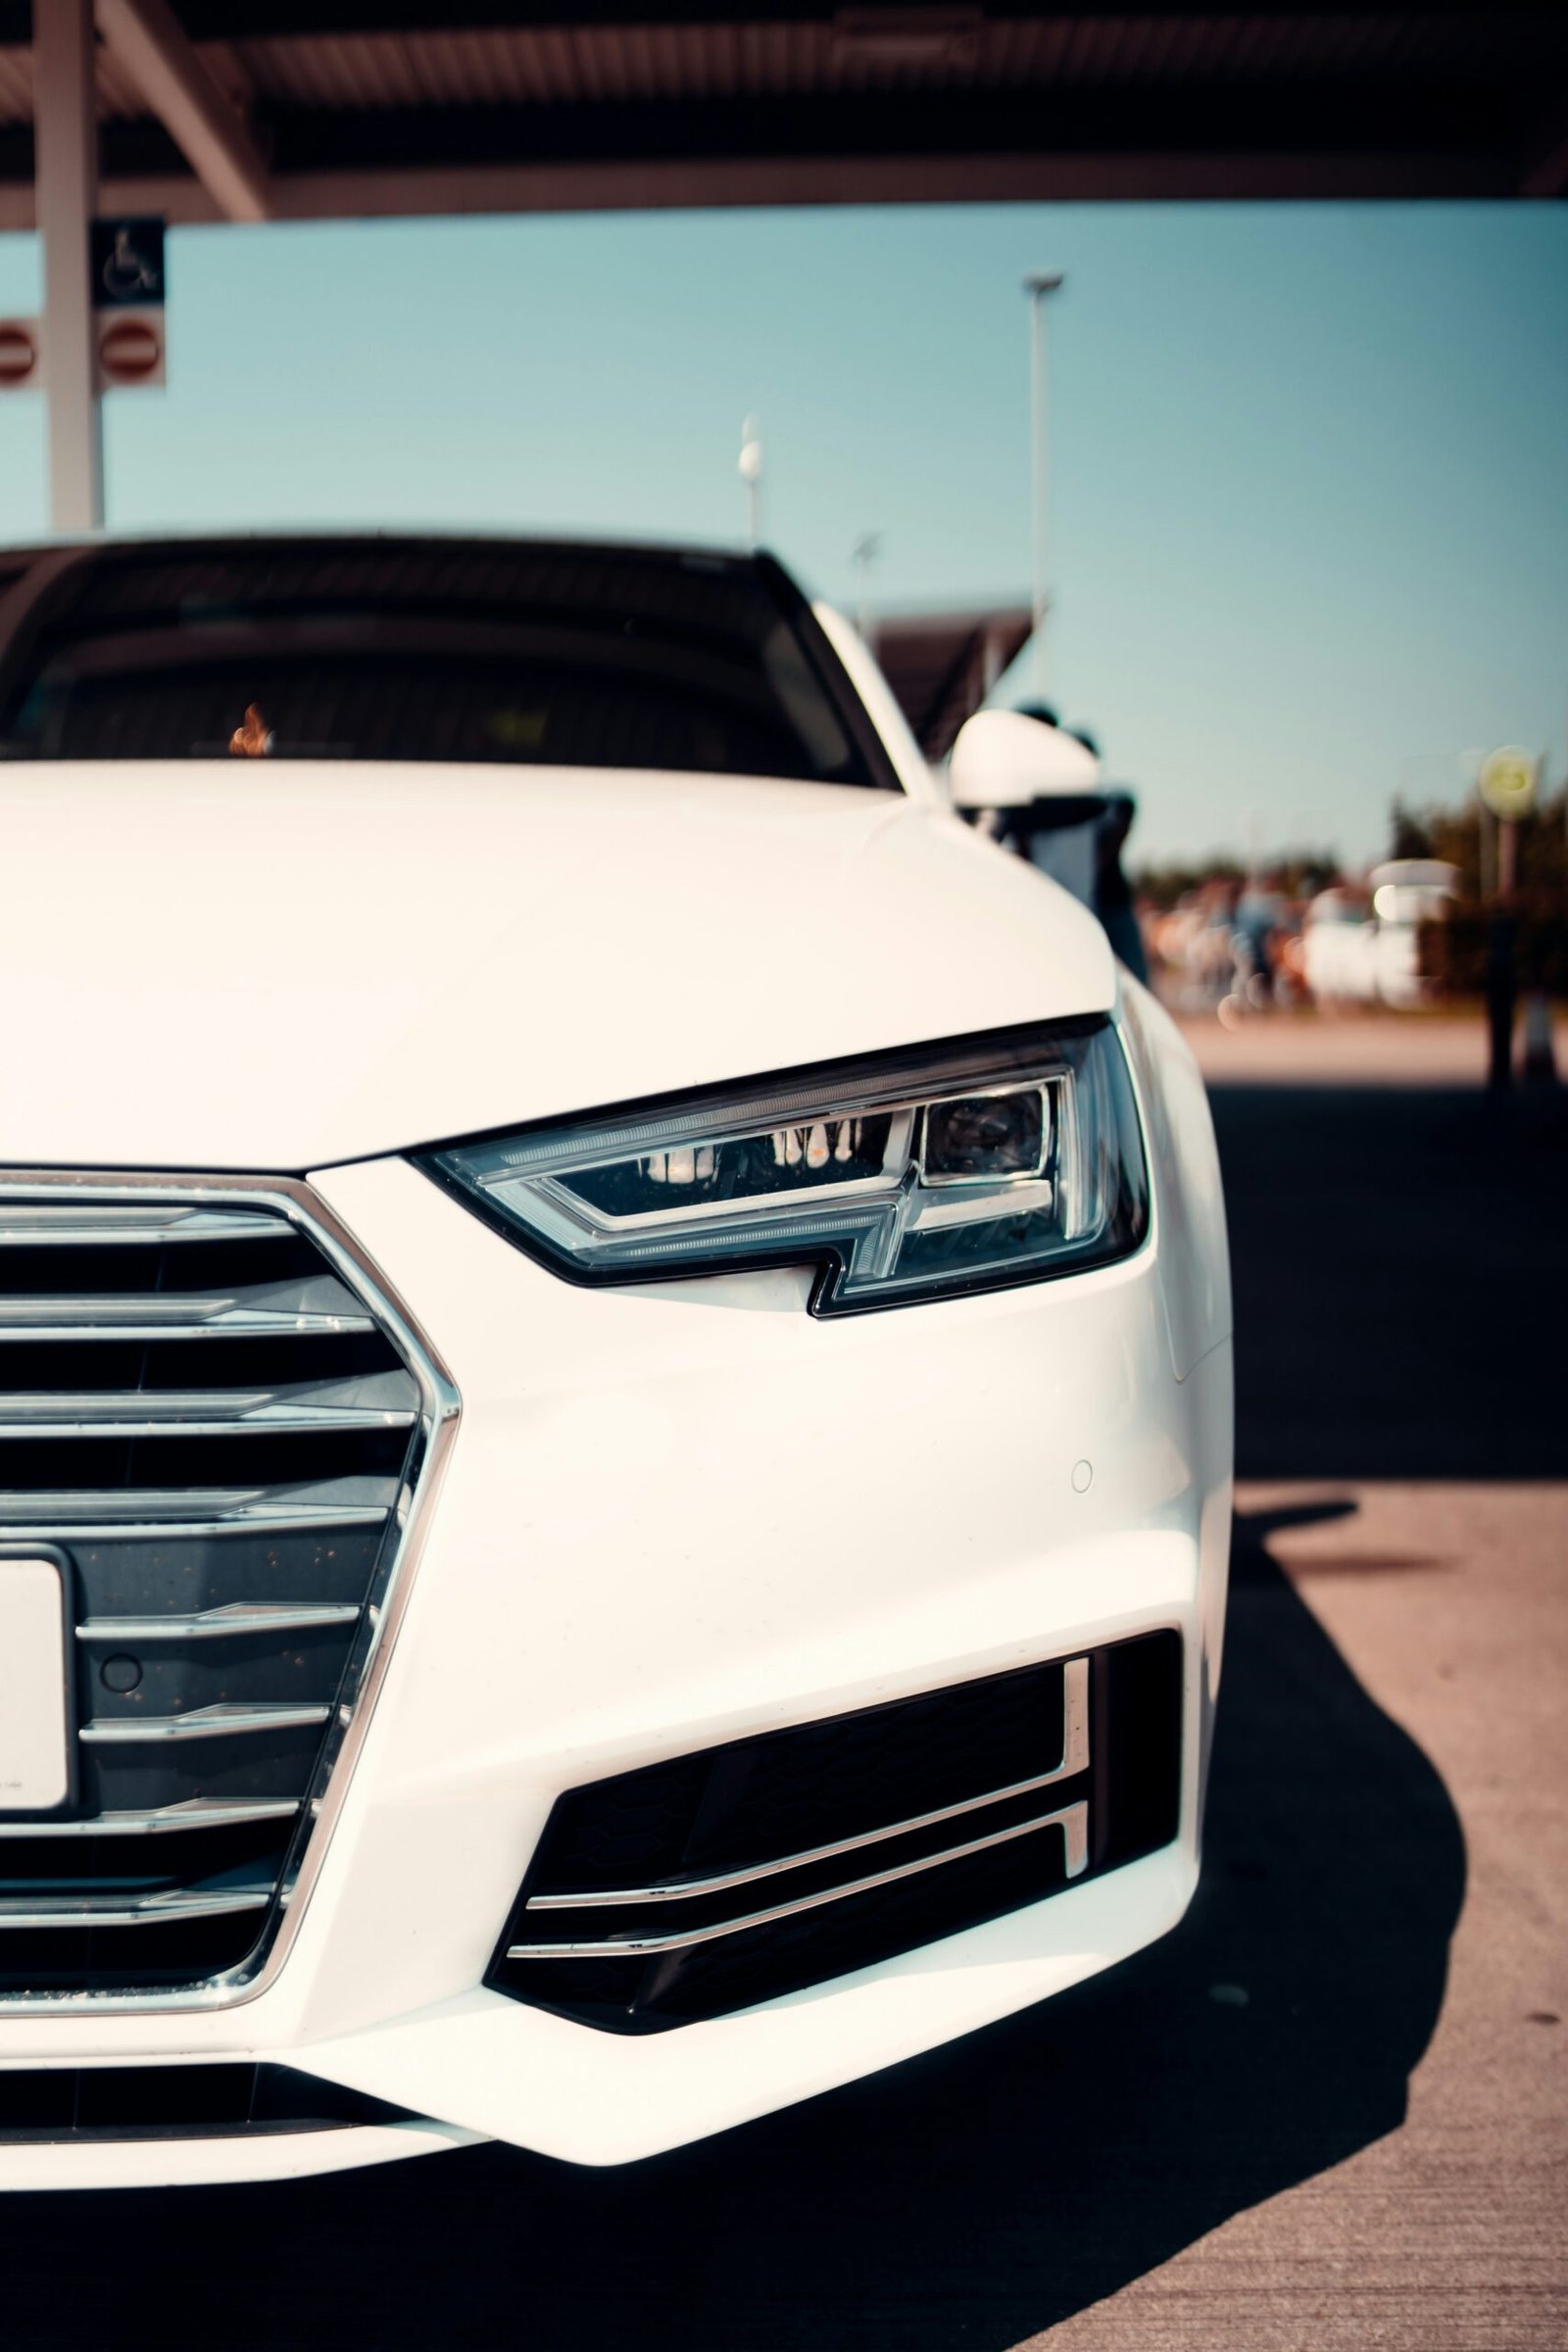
714	1881
207	1423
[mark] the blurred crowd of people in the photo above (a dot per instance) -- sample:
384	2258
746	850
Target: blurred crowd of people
1298	930
1255	943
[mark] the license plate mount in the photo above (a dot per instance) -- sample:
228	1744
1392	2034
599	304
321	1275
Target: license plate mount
37	1746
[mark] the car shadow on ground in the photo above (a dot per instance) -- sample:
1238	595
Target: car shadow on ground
975	2197
1400	1265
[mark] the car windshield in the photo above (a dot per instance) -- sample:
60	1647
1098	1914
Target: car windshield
523	653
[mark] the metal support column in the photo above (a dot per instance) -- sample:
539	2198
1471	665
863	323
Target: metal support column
1039	285
65	118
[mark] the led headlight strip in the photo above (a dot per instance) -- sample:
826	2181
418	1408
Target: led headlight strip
956	1167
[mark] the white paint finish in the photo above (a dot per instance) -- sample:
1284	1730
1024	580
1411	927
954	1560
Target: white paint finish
1179	1132
601	2098
1005	759
283	964
676	1514
209	2163
146	39
65	128
35	1733
673	1513
668	1522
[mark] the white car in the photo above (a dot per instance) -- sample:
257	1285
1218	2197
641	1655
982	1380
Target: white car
616	1373
1407	891
1370	954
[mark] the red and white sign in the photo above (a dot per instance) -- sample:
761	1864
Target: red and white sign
20	356
131	347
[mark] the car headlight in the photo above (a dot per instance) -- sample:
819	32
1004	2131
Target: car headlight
959	1167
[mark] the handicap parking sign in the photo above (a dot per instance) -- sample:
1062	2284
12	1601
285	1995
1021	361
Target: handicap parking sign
127	263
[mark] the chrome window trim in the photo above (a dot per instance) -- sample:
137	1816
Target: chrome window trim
439	1410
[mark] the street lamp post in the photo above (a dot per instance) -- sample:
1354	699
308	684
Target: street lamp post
1037	285
865	553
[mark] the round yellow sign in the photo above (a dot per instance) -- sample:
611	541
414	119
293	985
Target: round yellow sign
1507	781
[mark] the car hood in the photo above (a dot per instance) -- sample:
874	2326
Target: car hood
209	965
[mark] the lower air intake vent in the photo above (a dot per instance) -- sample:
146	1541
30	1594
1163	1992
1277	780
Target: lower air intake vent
212	1429
715	1881
176	2102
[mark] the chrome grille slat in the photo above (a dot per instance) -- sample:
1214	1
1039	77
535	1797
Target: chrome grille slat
189	1511
200	1722
318	1308
69	1225
218	1422
291	1410
235	1617
130	1911
195	1813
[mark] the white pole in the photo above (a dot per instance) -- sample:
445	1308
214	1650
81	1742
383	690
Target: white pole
751	469
65	128
1037	286
864	554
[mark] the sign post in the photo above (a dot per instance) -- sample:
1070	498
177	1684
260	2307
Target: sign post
1507	787
1507	784
67	133
126	346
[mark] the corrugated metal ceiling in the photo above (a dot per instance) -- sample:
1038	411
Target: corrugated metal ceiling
849	50
348	87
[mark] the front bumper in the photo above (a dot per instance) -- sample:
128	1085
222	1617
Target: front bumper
671	1517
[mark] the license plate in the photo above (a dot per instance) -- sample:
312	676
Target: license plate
35	1734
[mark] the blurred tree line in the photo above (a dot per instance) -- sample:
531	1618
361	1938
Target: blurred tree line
1295	873
1454	834
1454	951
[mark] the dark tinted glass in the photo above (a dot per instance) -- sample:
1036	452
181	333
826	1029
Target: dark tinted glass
426	650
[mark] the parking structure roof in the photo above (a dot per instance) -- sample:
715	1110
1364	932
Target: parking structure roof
357	108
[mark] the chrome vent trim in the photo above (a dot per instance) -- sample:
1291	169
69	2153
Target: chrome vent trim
1074	1760
1071	1820
320	1297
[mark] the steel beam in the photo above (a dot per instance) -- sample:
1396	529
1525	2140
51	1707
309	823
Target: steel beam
144	37
67	170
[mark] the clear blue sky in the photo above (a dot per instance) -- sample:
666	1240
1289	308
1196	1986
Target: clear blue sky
1309	465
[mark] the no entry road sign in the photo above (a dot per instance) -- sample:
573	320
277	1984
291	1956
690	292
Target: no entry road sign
131	348
19	355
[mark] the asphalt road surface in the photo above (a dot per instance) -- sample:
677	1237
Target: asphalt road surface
1331	2110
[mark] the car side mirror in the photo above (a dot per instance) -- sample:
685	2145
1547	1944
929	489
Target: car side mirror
1005	759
